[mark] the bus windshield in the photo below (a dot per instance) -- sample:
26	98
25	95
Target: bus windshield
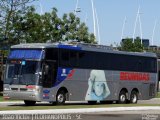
22	73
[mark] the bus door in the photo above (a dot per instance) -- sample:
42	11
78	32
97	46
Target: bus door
49	74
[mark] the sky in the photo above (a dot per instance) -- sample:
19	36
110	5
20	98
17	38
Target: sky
111	15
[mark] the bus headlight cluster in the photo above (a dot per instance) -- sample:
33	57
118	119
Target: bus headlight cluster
31	90
6	89
34	90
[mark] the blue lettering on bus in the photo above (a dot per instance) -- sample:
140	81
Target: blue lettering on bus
62	75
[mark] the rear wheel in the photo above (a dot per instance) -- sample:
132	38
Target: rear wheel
134	97
29	103
122	97
61	98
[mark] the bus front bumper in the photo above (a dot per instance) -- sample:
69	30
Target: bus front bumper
18	95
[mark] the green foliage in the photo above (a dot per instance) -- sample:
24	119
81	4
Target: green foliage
27	25
11	14
128	45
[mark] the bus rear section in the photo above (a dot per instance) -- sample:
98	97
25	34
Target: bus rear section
103	76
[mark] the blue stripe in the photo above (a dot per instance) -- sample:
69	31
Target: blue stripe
62	75
69	47
25	54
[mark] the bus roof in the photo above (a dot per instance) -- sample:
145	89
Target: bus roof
81	46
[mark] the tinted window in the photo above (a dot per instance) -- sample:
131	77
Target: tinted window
107	61
73	58
49	79
65	58
52	54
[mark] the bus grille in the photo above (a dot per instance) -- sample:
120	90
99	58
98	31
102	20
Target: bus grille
14	89
23	89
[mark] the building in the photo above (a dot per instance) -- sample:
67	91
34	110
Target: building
145	43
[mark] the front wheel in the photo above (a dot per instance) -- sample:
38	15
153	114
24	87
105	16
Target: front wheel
29	103
61	98
134	97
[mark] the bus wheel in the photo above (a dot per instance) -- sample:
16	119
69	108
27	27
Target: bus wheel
134	97
61	98
29	103
92	102
122	97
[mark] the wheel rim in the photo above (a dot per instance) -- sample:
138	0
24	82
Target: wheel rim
60	98
123	98
134	98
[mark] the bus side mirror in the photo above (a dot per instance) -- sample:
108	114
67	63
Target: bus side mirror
46	69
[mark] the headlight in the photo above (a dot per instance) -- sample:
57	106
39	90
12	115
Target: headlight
6	89
34	90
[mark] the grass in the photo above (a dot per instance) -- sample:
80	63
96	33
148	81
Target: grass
1	98
158	95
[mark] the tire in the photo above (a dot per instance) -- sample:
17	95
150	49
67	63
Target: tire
29	103
122	98
92	102
133	97
61	98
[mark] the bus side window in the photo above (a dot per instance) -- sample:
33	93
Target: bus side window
73	59
64	57
51	54
153	65
140	65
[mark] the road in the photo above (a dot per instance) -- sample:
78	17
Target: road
103	115
123	115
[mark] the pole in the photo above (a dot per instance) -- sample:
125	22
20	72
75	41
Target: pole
75	11
135	24
140	23
94	21
154	28
41	9
124	22
97	20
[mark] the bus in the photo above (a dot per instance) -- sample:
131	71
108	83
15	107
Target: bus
57	72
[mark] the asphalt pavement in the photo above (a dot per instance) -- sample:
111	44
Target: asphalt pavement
109	113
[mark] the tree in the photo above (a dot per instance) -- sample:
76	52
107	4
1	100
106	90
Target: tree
10	9
75	30
49	27
21	23
138	47
128	44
